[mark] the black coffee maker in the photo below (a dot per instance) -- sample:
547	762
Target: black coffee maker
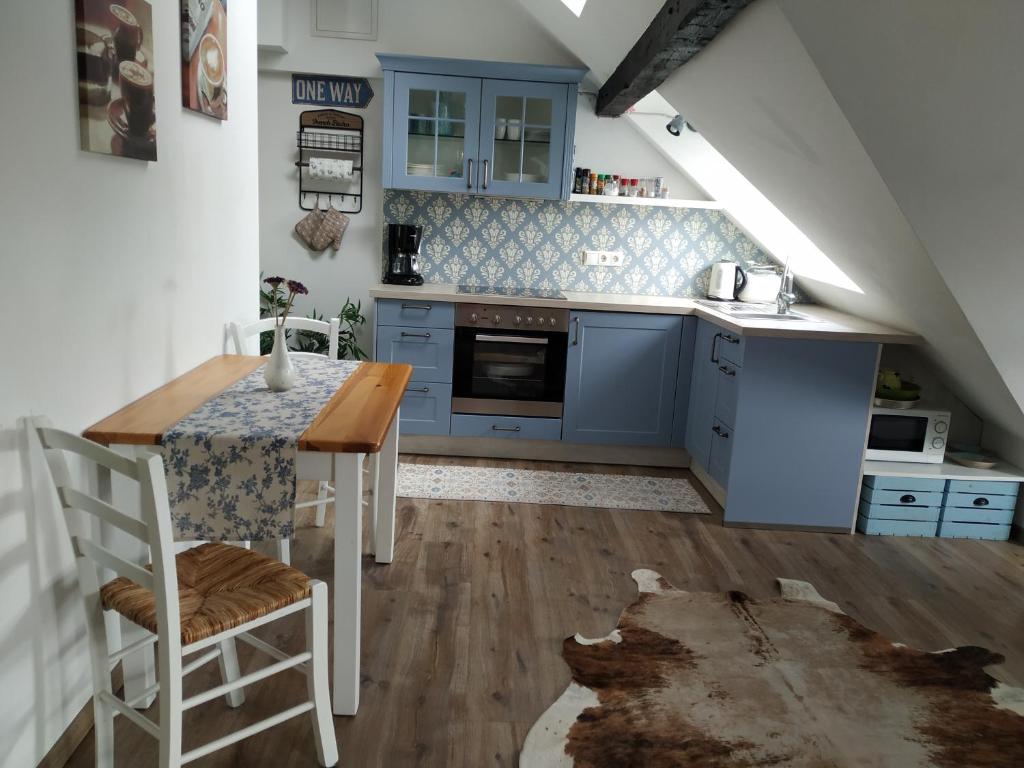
404	255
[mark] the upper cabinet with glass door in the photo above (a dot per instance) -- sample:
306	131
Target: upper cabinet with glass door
479	127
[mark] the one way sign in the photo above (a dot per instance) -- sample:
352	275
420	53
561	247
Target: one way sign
331	91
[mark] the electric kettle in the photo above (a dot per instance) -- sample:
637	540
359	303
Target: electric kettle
727	278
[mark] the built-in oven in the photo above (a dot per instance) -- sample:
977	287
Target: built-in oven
509	360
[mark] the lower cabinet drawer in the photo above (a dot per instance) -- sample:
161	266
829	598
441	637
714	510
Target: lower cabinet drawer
473	425
954	530
873	527
426	409
977	515
906	498
899	512
428	350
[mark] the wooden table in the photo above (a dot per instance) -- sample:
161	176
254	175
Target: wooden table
361	418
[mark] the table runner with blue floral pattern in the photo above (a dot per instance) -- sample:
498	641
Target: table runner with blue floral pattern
230	464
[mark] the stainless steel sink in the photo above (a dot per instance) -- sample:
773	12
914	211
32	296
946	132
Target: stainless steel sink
745	311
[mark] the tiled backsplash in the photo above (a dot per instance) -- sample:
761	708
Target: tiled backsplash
537	243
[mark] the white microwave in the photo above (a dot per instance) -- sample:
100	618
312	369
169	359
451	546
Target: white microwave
907	435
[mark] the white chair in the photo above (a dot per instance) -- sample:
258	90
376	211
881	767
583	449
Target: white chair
246	341
167	599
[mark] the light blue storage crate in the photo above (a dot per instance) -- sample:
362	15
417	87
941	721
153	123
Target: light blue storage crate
902	497
977	515
956	530
878	527
899	512
995	488
881	483
979	501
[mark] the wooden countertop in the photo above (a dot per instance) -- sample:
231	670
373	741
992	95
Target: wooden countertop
358	417
823	323
355	420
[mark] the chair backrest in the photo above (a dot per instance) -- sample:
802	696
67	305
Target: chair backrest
153	529
246	335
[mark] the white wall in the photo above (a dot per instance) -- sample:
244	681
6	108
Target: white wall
758	98
495	30
331	276
117	276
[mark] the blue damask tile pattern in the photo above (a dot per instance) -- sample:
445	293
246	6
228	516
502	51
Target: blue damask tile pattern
230	464
537	243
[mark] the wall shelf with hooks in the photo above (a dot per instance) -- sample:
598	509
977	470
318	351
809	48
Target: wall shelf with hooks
330	134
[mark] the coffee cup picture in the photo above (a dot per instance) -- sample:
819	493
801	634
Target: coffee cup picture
127	33
204	66
116	97
137	97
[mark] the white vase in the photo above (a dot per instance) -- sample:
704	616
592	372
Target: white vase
279	372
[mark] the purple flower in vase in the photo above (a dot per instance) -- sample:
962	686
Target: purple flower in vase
274	281
296	287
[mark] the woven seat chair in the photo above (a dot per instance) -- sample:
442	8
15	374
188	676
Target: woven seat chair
196	603
245	337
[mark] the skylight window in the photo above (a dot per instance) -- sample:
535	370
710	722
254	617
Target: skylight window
576	6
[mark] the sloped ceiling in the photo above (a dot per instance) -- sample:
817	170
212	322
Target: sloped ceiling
758	98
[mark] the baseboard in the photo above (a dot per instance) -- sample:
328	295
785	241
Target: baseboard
845	530
543	450
62	750
717	492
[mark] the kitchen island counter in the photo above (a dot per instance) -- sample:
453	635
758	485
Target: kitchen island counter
822	323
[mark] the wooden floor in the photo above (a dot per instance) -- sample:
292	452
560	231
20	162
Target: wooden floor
461	633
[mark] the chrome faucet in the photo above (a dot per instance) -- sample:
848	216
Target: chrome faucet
786	296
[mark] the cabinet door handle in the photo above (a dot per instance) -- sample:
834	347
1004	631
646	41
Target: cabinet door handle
487	165
469	173
730	338
424	307
714	348
417	389
496	428
416	335
727	370
908	499
981	501
720	432
576	335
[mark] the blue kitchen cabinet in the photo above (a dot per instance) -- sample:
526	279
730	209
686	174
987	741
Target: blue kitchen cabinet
422	334
703	389
478	127
687	340
621	378
778	425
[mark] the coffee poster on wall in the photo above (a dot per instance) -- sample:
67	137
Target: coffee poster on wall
117	106
204	54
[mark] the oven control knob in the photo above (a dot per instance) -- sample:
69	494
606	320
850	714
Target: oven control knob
941	426
938	442
553	322
473	318
519	319
497	319
529	321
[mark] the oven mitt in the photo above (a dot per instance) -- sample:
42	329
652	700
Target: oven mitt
309	226
332	227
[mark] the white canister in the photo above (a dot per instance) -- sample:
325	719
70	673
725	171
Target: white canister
763	283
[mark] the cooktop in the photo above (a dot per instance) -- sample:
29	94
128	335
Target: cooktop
520	293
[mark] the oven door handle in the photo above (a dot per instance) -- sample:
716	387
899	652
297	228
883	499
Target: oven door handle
511	339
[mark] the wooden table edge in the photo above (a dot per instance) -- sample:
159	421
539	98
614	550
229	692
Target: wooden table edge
107	431
391	382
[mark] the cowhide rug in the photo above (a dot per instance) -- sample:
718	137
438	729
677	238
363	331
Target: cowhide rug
704	679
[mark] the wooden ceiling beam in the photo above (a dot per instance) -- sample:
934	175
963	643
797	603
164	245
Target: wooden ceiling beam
678	33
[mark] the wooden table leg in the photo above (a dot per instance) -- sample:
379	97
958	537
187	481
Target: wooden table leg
348	555
384	496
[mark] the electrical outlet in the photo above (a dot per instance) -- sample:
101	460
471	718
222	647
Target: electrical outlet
602	258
